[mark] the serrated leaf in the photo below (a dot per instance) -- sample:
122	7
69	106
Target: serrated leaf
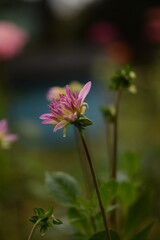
102	235
63	188
143	234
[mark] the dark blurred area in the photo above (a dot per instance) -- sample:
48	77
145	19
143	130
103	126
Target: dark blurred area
54	43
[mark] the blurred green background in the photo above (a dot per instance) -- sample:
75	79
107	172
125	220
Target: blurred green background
76	40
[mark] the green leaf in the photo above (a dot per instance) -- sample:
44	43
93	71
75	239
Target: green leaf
142	208
78	219
88	206
34	219
143	234
43	230
39	212
102	235
114	235
127	193
63	188
108	191
49	212
99	236
130	163
111	208
57	221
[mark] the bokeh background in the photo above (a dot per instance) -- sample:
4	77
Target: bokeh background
62	41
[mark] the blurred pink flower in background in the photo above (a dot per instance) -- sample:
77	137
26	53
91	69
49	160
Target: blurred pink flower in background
102	33
12	39
152	25
5	137
54	92
152	30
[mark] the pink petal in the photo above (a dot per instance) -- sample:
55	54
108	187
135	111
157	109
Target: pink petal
76	94
78	102
49	121
71	116
85	90
60	125
3	126
46	116
69	93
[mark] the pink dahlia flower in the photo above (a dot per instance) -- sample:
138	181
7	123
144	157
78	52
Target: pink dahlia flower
5	137
67	108
12	39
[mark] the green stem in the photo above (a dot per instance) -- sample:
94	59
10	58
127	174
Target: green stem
96	185
85	172
33	229
115	138
113	220
84	166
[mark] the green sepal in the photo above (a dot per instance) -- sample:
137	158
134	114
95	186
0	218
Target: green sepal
82	122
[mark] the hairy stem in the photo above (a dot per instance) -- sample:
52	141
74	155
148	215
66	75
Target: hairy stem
33	229
96	185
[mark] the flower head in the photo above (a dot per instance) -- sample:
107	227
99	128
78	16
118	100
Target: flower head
5	137
67	109
124	79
